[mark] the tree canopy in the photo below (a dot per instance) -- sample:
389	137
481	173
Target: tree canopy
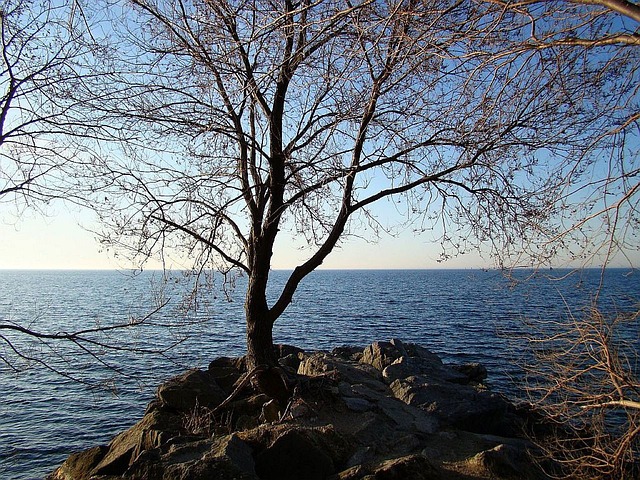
41	50
225	126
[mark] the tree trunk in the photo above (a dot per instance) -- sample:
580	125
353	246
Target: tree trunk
260	351
261	355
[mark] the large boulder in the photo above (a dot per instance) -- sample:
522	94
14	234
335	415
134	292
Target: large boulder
153	430
325	365
79	465
223	458
194	388
383	354
405	367
303	453
506	461
459	406
397	360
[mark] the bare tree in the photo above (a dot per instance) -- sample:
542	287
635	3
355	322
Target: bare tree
597	214
584	378
249	122
39	60
45	48
583	373
85	342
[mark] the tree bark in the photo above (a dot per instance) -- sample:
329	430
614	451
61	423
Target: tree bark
261	354
260	350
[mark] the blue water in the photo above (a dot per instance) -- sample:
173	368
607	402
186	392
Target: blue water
50	405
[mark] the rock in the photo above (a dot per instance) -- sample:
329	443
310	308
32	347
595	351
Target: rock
79	465
154	429
250	406
363	455
415	467
415	350
458	406
322	364
423	363
293	457
226	371
357	404
381	354
400	346
408	418
309	454
357	472
373	430
235	451
246	422
193	388
399	369
506	461
347	352
225	458
271	411
283	350
372	392
475	372
290	362
391	411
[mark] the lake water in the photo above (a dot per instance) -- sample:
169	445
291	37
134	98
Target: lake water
49	406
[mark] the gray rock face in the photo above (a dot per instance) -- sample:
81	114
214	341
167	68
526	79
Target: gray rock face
389	411
382	354
224	458
193	388
397	360
323	364
459	406
505	461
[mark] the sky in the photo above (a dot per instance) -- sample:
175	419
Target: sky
62	240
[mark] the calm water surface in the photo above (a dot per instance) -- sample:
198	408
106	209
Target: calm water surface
48	410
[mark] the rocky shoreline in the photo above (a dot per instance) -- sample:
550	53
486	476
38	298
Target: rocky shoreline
389	411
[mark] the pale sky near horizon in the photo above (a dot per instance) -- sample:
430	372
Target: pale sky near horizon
57	241
60	239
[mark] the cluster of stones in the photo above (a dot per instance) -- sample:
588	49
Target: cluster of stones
388	411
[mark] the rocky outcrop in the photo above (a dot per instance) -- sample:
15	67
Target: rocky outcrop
388	411
190	389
